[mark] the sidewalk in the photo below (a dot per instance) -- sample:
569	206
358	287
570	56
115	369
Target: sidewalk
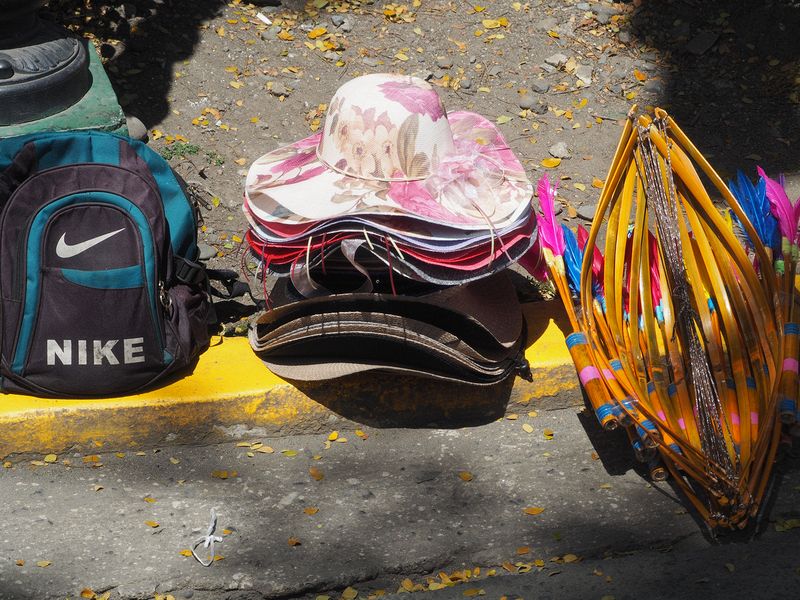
377	510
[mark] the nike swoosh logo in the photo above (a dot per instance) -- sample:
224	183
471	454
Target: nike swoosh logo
65	250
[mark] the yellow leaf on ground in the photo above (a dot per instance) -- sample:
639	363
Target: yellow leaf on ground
316	474
509	567
533	510
92	458
236	84
332	436
265	450
317	32
311	510
361	434
43	563
174	460
408	585
220	31
401	56
523	550
471	592
241	161
293	541
185	552
639	75
149	499
7	464
491	23
551	163
349	593
527	428
538	562
19	562
548	434
466	476
289	453
87	593
598	183
553	34
435	585
570	558
285	35
152	524
50	458
503	119
220	474
579	186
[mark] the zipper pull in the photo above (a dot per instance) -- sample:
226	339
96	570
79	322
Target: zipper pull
164	297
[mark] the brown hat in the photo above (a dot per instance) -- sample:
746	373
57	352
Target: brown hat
471	333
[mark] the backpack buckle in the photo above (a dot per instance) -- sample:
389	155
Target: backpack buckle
189	272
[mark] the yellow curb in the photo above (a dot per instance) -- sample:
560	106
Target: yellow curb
231	395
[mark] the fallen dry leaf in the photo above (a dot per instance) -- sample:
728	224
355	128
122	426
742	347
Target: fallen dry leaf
87	593
293	541
311	510
533	510
50	458
316	474
465	476
149	499
19	562
551	163
185	552
523	550
152	524
349	593
43	563
527	427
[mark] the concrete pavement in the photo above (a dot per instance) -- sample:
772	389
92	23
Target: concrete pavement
378	509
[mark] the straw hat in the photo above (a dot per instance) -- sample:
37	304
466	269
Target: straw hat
388	147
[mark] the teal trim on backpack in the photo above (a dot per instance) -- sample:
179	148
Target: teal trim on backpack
33	271
177	207
77	149
110	279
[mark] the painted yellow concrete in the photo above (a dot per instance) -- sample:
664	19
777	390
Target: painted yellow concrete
231	391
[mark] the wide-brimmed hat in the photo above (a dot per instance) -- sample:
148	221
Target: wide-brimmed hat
388	147
473	333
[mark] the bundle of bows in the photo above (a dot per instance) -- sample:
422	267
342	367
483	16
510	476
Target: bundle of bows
683	316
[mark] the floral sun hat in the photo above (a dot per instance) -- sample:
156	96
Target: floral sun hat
388	147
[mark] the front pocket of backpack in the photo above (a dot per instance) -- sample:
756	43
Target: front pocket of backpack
93	334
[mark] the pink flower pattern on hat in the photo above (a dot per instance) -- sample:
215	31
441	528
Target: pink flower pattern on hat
388	146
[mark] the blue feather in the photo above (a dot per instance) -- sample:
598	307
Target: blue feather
573	259
754	203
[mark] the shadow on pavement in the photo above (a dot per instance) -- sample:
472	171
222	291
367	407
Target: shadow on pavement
153	36
733	77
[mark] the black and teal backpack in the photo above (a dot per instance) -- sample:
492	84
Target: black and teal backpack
100	290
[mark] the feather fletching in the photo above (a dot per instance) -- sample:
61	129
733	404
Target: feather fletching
549	232
786	214
573	259
753	201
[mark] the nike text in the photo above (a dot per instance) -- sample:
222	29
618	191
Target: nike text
95	352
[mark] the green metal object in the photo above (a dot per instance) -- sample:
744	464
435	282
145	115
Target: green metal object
98	109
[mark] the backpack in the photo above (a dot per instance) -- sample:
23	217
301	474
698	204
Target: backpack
99	289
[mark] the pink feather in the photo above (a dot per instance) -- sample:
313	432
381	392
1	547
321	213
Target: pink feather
549	230
782	208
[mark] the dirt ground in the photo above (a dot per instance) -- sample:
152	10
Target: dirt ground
219	84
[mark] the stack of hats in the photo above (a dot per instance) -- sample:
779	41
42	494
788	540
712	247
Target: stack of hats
390	231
